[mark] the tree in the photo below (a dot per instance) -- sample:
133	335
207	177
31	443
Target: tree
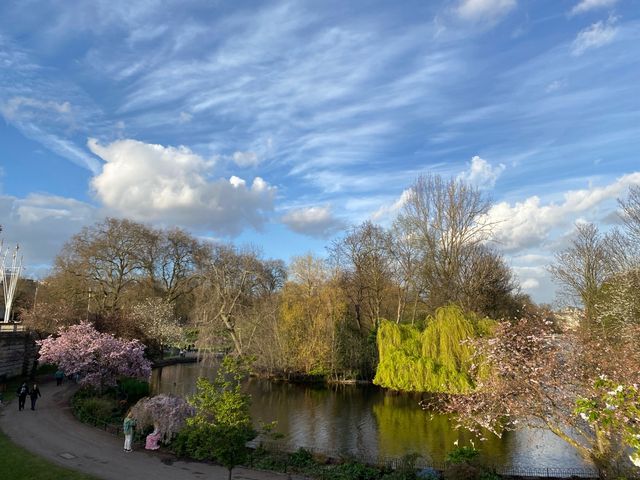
166	413
232	287
98	358
311	306
156	319
107	257
581	268
221	426
438	359
539	379
447	219
365	265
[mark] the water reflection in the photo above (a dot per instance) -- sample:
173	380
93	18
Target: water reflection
369	422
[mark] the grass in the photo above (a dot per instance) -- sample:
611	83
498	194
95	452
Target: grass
18	464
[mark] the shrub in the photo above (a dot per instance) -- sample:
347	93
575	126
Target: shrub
462	455
462	471
133	389
301	459
94	409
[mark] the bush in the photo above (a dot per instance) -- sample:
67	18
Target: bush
194	441
351	471
133	389
462	455
94	409
301	459
462	471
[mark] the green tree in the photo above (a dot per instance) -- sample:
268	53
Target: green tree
221	426
440	358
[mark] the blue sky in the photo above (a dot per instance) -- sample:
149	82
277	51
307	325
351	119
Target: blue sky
279	123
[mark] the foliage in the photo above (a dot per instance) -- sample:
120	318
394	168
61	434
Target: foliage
463	471
133	389
221	425
17	463
437	359
462	454
166	413
95	409
613	410
537	376
156	319
98	358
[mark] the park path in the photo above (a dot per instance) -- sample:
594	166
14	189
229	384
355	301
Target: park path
52	432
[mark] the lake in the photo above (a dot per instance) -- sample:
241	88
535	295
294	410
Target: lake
370	423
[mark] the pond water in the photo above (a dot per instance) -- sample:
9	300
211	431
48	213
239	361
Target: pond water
370	423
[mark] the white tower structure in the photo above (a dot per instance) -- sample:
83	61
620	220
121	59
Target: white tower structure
9	276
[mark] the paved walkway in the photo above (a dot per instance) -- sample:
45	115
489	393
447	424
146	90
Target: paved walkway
53	433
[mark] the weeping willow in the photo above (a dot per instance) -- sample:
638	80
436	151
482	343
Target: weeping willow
436	359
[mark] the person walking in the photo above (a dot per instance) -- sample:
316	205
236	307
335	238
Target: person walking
127	427
22	393
59	377
34	393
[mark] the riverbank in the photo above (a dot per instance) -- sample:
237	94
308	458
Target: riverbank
53	434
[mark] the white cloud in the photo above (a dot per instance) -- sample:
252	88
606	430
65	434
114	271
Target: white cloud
490	10
246	159
21	107
530	284
481	173
313	221
41	224
386	211
171	185
597	35
587	5
529	223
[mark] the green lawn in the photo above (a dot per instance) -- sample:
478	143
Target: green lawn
18	464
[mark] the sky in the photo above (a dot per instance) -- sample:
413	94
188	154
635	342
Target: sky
281	123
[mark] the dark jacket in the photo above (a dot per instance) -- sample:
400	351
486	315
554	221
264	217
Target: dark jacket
22	391
34	392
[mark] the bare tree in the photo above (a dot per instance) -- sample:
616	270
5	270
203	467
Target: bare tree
581	269
445	218
232	284
363	259
106	257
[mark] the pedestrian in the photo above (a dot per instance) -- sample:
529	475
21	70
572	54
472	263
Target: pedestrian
59	375
34	393
22	393
127	427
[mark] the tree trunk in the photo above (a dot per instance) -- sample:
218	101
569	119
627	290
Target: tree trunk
230	473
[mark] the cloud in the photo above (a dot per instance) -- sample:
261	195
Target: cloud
21	107
185	117
597	35
41	224
386	211
529	284
172	185
246	159
481	173
489	10
313	221
588	5
528	223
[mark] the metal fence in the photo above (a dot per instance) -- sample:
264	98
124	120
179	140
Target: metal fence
425	463
397	462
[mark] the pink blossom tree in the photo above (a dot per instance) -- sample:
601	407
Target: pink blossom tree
98	358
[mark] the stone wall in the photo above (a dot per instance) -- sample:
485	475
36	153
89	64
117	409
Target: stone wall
17	353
